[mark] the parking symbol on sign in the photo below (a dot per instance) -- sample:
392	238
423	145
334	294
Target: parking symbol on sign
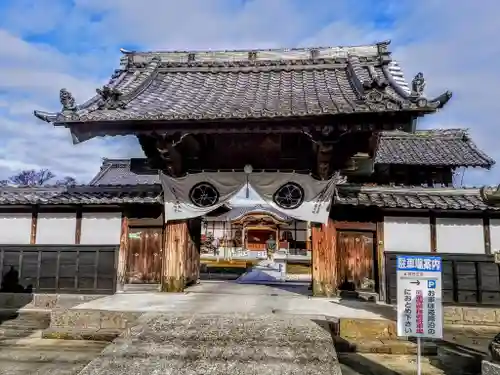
431	284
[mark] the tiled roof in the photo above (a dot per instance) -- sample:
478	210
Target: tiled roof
451	147
412	198
238	212
119	172
209	85
82	195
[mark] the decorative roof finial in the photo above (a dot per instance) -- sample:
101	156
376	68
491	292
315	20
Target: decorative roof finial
418	85
67	100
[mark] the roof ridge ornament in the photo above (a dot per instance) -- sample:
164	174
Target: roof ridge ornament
418	85
67	101
110	98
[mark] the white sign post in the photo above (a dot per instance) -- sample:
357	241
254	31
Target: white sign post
420	308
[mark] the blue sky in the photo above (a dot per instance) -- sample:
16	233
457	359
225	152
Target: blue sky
50	44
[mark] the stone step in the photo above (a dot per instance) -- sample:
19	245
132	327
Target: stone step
93	319
367	329
90	334
382	346
141	288
24	319
460	359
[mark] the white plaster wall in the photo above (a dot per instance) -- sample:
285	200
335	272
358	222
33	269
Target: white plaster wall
495	235
460	235
101	228
411	234
56	228
15	228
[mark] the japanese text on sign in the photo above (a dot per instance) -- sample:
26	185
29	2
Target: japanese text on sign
419	296
411	263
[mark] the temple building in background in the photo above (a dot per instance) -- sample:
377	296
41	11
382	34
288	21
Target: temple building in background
328	137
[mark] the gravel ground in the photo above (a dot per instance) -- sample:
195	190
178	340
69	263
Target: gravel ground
220	344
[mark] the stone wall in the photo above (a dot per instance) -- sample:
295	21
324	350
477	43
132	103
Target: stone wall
472	315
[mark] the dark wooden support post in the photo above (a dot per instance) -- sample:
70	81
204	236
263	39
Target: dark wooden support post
34	224
122	254
324	259
78	229
381	259
181	255
487	234
432	227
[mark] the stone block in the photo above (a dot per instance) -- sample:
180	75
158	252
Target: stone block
61	333
118	319
45	301
479	315
490	368
367	328
76	318
453	315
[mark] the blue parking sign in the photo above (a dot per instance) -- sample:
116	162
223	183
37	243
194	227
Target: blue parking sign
431	284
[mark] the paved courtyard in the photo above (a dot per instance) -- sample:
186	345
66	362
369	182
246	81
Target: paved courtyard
222	297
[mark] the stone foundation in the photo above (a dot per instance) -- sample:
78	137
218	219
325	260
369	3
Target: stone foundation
43	301
486	316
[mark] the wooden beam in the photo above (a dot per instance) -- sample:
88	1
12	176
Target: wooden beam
123	253
432	226
355	225
487	234
78	229
34	225
324	259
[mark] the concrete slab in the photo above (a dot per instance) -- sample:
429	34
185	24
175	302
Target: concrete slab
228	297
220	344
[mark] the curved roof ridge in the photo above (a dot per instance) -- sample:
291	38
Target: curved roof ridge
265	53
410	190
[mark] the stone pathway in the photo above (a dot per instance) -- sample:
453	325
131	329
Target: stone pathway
231	297
219	345
264	271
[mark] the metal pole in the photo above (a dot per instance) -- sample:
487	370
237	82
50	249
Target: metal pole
419	356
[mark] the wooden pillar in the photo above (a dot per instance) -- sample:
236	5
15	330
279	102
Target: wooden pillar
181	255
381	259
324	259
432	226
34	225
487	235
308	235
78	229
123	254
173	277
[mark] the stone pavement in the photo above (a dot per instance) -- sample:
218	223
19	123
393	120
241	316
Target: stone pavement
236	344
231	297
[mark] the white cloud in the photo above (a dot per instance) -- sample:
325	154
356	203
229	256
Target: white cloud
452	42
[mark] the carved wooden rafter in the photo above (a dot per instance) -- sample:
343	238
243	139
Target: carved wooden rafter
169	153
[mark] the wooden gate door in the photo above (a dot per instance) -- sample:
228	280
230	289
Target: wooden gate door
355	260
144	258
